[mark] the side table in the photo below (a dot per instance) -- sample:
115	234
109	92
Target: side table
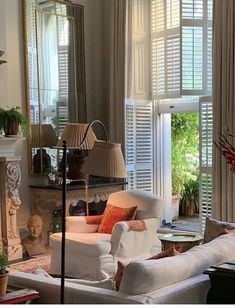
186	240
222	285
16	295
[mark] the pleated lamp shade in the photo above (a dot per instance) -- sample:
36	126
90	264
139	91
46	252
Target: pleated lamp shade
74	133
106	160
43	135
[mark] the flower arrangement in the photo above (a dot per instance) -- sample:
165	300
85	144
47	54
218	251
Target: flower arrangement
226	148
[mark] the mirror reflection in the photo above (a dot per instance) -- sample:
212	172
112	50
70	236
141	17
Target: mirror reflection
54	52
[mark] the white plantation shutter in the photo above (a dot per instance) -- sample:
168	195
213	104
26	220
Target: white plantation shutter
181	47
32	60
206	126
139	144
166	60
63	67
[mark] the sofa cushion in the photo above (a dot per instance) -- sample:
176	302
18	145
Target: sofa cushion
88	244
170	252
145	276
114	214
215	228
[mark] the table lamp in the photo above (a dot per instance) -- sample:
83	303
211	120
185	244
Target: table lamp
73	134
42	136
105	159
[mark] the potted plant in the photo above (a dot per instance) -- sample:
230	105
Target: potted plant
11	119
3	271
190	198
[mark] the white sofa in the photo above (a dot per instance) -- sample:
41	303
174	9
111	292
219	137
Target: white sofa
171	280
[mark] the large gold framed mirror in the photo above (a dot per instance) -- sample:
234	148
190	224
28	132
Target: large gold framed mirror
55	76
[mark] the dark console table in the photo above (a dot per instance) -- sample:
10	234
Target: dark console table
47	198
222	279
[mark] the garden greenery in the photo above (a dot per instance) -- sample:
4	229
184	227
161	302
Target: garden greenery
184	150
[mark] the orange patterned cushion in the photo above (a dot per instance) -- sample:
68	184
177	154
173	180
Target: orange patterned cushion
93	220
136	225
170	252
114	214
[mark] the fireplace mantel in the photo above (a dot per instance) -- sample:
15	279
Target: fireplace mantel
9	197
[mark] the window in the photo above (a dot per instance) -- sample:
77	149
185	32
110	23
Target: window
181	48
180	60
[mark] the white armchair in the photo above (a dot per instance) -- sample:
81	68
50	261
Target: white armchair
93	255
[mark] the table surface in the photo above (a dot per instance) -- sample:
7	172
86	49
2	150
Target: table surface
17	295
80	185
184	237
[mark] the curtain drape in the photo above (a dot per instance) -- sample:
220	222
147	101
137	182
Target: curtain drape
223	192
116	72
76	67
47	57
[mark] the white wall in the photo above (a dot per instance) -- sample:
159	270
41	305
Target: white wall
12	76
12	84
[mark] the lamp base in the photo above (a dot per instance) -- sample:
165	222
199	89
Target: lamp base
76	159
41	161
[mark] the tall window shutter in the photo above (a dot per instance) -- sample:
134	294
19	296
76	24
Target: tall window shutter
141	50
139	144
181	47
206	126
63	68
166	58
32	59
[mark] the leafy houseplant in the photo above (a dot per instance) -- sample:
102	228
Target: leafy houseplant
11	119
3	271
190	198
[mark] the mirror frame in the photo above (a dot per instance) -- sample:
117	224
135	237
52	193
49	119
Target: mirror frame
80	90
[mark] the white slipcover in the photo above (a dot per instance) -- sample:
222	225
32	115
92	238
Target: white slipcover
145	276
92	255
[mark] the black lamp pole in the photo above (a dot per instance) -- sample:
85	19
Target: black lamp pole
64	190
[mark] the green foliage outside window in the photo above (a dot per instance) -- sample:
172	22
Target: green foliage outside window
184	150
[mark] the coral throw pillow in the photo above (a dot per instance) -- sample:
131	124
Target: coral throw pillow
118	277
170	252
93	220
114	214
136	225
229	231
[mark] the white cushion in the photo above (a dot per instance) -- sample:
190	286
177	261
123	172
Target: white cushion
148	204
88	244
145	276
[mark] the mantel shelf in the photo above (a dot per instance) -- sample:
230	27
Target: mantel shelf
3	61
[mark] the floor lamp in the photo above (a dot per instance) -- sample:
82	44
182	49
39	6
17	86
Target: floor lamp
105	159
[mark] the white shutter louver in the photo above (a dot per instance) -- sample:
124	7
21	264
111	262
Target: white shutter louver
32	61
206	126
139	141
166	61
181	48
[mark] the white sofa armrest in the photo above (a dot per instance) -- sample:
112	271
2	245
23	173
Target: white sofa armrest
127	244
78	224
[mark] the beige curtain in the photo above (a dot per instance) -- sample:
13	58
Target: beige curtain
223	192
116	69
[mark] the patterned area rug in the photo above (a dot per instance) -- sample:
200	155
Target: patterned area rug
31	265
